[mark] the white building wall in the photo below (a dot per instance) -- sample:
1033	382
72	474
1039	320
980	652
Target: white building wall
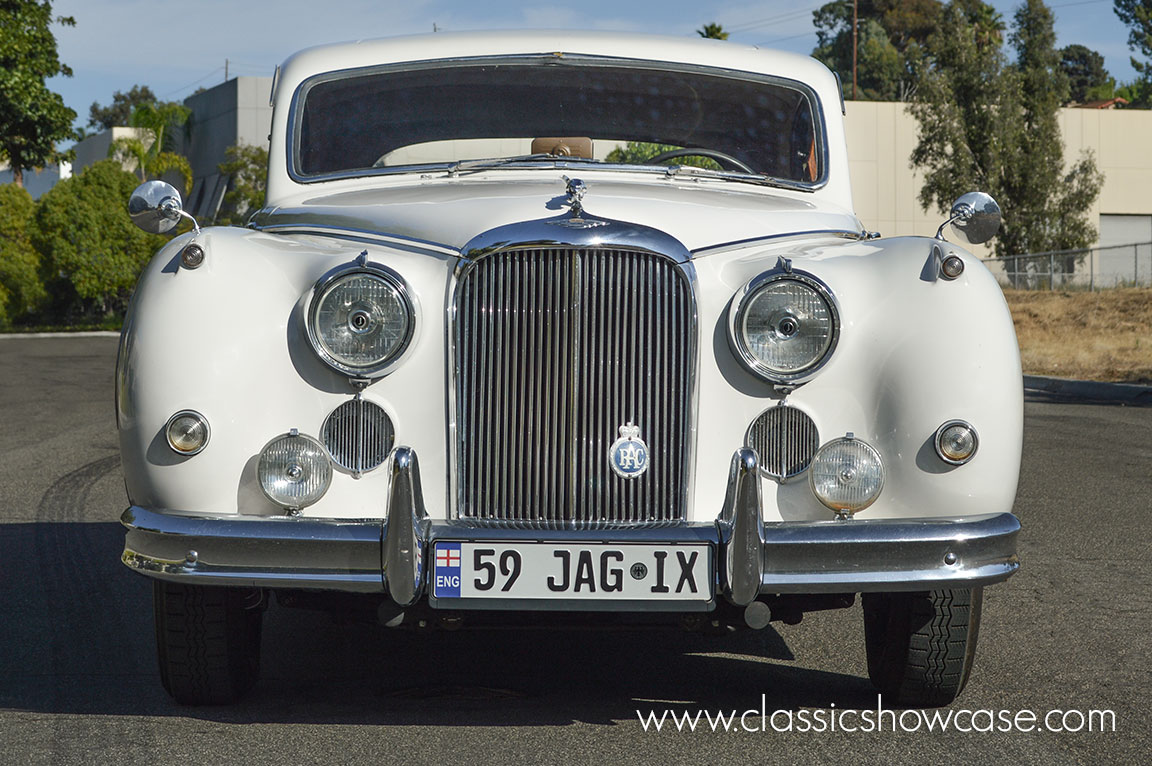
885	188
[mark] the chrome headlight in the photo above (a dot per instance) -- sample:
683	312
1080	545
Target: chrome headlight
360	320
785	326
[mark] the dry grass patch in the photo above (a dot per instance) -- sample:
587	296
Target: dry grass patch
1104	335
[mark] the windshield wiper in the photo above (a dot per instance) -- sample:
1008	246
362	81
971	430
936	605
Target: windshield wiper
729	175
494	162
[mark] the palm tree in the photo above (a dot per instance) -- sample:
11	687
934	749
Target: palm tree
151	147
712	31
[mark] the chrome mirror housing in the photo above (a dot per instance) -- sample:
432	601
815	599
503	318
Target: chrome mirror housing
975	218
156	207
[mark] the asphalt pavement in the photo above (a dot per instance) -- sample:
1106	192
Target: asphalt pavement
78	678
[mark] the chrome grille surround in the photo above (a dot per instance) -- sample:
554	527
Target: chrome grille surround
785	439
582	340
358	435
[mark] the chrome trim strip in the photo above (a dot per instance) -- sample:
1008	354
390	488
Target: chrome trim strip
402	550
741	530
295	114
742	244
350	233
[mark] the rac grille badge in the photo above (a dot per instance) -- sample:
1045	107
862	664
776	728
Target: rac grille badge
629	454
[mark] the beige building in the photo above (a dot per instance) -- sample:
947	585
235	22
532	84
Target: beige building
881	136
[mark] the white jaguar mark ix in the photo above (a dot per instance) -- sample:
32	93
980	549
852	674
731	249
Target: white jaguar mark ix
540	323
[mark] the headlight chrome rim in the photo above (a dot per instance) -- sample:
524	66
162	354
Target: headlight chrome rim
319	292
739	309
938	442
183	414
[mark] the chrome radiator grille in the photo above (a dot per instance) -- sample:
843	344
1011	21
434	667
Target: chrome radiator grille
785	439
556	349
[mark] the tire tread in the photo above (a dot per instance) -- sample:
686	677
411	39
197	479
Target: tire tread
921	645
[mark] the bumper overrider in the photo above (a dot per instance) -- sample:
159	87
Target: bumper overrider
752	558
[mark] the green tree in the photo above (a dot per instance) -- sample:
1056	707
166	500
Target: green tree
33	119
641	152
880	67
889	43
20	288
247	172
990	125
1137	14
1088	80
118	114
91	252
152	151
1137	93
712	31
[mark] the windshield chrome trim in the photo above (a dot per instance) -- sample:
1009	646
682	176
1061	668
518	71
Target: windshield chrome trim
295	114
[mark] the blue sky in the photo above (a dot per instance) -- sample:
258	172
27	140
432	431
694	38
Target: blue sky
176	47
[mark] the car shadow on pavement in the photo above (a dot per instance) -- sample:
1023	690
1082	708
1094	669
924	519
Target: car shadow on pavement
77	638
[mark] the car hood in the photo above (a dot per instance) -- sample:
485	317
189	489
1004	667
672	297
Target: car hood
700	213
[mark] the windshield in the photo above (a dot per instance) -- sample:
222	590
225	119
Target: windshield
539	109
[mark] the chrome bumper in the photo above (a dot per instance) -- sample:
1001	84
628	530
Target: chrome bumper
753	557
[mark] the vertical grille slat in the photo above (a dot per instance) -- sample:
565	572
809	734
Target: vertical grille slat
556	349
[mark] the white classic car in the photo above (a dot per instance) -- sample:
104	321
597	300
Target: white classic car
554	325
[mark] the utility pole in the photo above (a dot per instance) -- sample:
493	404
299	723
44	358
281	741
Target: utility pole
855	26
226	77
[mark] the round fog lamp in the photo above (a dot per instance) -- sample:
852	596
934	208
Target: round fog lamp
846	475
187	432
294	470
956	442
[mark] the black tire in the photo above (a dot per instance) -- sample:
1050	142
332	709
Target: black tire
207	641
921	645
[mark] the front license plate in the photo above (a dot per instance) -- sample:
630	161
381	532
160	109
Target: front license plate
631	572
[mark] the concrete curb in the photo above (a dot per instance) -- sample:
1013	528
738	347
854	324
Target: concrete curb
1090	390
88	334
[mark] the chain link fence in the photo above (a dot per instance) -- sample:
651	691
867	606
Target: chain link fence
1094	268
